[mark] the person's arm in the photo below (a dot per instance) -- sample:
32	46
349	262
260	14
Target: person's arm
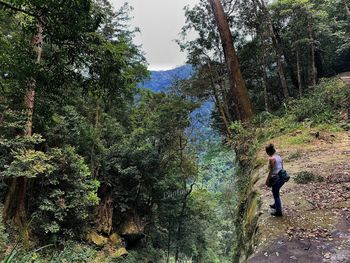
272	163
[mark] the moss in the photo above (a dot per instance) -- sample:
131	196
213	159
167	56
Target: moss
116	240
120	252
97	239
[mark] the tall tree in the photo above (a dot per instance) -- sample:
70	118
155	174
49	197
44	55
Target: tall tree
271	30
43	21
243	106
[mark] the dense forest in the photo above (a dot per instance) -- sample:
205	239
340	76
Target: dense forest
96	168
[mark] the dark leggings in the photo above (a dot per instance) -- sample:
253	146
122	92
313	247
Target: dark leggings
276	195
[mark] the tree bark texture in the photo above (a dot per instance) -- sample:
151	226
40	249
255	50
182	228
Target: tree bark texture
239	92
218	101
300	87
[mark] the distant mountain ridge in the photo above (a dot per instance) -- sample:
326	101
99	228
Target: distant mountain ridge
163	79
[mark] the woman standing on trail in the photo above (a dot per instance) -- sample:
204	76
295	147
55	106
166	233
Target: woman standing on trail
273	180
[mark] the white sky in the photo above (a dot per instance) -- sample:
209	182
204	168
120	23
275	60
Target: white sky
160	22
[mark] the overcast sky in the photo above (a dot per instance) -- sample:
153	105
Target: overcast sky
160	22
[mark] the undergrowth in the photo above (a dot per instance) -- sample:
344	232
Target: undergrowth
305	177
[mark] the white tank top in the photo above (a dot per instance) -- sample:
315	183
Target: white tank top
278	165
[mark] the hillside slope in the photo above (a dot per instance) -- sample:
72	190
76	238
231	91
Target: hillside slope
316	222
316	201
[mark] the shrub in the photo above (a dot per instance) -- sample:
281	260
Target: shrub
64	196
305	177
323	103
3	234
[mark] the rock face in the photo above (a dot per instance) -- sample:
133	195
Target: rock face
96	239
132	229
116	240
120	252
113	244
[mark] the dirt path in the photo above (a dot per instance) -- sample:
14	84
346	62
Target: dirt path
316	222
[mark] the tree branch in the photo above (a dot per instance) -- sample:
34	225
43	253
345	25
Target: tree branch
18	9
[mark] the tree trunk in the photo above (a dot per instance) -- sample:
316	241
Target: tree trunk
300	87
184	202
224	100
313	70
104	215
264	81
218	102
239	92
169	240
275	44
15	208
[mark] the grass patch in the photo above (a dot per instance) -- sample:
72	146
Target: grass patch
329	127
294	156
305	177
259	162
299	139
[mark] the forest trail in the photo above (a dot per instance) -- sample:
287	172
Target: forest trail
316	222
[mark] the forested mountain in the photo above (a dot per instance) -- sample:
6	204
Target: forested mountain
102	160
163	79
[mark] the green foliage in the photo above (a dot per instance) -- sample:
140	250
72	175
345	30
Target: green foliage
71	252
321	107
149	253
19	157
305	177
99	142
65	197
323	103
299	139
3	234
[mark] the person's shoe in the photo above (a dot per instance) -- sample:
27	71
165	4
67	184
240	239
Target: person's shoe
273	206
277	214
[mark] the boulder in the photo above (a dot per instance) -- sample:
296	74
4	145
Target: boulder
132	229
116	240
96	239
120	252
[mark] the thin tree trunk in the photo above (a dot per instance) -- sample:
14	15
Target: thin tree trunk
224	100
275	44
266	95
218	101
313	71
184	202
239	92
261	34
300	87
169	240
